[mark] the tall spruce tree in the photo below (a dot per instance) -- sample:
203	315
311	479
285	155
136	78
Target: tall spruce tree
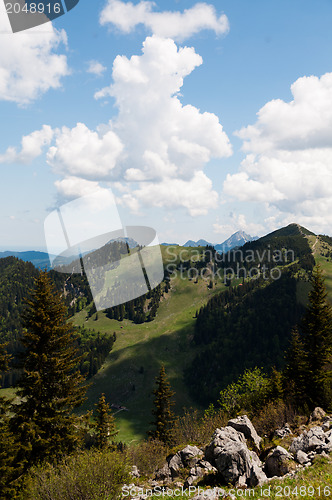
162	411
105	423
316	326
7	441
51	385
296	372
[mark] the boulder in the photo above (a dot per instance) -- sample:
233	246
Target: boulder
243	424
312	440
175	464
327	423
234	462
190	455
317	414
164	474
219	438
201	469
301	457
278	462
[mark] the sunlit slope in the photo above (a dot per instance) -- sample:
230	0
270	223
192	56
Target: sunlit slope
127	377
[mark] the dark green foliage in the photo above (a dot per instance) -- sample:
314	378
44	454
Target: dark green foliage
162	411
239	329
7	441
105	423
93	347
139	310
316	327
50	387
294	374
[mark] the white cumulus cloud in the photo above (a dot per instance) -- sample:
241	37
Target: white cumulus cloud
289	156
177	25
154	138
84	153
29	63
32	146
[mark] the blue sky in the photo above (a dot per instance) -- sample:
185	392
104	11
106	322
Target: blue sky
224	122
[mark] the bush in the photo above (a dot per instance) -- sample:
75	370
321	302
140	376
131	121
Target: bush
193	428
249	393
90	475
273	416
147	456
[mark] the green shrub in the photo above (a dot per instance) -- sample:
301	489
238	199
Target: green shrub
249	393
193	428
90	475
147	456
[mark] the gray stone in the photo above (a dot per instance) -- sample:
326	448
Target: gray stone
257	476
190	455
317	414
243	424
219	438
283	431
175	464
312	440
277	462
164	474
236	465
301	457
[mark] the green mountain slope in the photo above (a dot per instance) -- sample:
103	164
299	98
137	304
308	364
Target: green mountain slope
127	377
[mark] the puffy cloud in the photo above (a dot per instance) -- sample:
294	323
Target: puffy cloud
289	156
196	195
162	137
154	143
84	153
31	146
29	64
154	138
71	188
96	68
126	16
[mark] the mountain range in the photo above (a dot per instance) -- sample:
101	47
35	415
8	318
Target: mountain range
236	240
41	260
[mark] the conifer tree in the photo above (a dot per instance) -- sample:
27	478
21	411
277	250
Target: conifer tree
316	326
162	411
295	373
51	385
7	442
105	423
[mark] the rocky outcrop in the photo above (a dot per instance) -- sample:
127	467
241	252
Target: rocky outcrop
243	424
314	439
187	457
202	468
235	463
317	414
229	459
